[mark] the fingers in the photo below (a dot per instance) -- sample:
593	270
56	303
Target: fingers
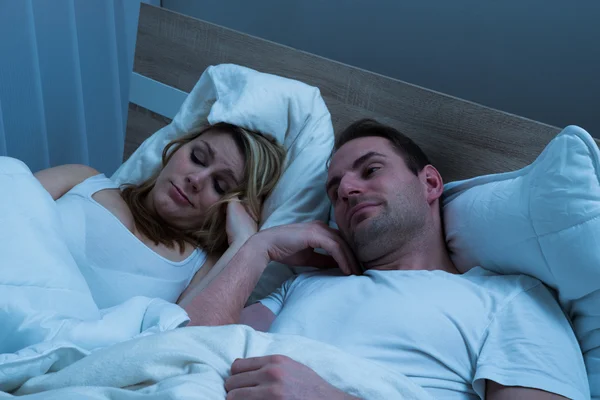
253	393
249	364
252	372
242	380
339	255
331	241
320	261
353	264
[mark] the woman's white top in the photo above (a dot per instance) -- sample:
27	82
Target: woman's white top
115	263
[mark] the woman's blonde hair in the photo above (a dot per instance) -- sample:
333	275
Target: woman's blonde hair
264	159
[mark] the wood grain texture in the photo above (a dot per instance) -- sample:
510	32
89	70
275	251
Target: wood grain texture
462	139
141	123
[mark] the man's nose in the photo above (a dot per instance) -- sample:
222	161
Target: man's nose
349	187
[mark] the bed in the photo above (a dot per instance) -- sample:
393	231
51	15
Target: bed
463	139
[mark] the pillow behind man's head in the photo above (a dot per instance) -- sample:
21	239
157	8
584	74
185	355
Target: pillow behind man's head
543	221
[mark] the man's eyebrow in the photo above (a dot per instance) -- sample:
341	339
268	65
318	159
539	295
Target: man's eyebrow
355	165
362	159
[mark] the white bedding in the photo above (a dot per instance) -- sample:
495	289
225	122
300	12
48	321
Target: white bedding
56	344
48	318
192	363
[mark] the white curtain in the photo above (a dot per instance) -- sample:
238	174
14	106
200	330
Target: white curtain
65	67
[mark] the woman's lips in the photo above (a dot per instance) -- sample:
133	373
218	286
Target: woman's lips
178	196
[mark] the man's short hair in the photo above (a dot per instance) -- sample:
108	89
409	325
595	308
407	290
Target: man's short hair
412	154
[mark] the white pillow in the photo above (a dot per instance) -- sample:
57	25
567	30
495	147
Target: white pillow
293	112
543	221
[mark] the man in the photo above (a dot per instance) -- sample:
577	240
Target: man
458	336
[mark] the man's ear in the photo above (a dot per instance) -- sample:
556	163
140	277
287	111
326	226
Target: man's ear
432	180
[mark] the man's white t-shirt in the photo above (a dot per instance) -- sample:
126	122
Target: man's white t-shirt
449	333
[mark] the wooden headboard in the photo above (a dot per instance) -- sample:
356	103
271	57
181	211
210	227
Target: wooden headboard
462	139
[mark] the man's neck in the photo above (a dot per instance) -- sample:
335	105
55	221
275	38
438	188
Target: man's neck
428	253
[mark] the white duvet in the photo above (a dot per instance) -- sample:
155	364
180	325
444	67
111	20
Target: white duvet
45	302
55	342
193	363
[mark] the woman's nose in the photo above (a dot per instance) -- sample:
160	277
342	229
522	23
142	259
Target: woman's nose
197	179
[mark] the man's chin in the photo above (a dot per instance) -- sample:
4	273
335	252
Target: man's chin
360	227
358	237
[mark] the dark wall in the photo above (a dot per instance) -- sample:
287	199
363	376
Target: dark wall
535	58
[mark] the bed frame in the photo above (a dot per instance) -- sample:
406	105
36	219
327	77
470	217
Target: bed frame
462	139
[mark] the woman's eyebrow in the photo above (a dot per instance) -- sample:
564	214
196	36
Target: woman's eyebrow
211	151
212	154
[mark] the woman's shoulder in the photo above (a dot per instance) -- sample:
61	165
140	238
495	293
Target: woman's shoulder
59	180
81	170
72	171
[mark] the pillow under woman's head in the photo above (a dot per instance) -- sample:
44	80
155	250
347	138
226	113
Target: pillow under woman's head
543	221
288	110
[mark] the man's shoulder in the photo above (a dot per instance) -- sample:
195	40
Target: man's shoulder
509	287
515	290
319	277
312	275
482	276
321	274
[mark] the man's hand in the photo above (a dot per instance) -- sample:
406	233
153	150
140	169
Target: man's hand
294	244
277	378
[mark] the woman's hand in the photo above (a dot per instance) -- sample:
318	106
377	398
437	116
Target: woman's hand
240	225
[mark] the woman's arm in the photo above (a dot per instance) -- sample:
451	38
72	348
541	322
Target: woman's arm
211	268
59	180
239	226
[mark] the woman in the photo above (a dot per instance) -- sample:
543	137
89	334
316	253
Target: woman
151	239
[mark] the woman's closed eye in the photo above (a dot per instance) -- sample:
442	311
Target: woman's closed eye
220	186
197	159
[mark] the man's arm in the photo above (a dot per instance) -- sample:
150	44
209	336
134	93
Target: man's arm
223	300
496	391
257	317
210	269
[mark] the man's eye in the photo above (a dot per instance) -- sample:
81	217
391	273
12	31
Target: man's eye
333	194
371	170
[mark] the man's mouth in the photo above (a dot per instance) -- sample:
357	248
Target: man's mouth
359	208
